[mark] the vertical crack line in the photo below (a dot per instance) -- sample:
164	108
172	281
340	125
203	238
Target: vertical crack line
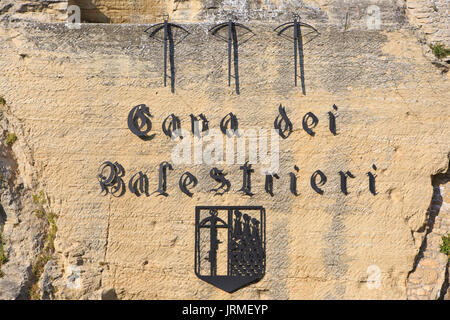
107	229
107	239
432	212
446	283
429	251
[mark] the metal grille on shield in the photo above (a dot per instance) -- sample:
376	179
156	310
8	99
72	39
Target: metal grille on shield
230	245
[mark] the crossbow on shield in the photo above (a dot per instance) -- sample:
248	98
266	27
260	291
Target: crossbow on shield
173	34
297	38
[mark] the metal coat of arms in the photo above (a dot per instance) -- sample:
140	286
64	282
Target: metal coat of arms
230	250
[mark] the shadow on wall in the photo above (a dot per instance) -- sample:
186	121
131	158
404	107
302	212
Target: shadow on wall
90	12
2	217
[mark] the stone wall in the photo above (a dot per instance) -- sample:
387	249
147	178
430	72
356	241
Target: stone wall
352	13
21	231
69	91
36	10
432	17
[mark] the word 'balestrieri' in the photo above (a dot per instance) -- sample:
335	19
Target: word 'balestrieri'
112	174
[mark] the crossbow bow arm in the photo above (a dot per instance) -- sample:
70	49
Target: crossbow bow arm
281	25
216	28
242	26
179	27
291	25
157	27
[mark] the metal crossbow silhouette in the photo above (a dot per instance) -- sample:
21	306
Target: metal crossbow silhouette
297	38
169	40
233	46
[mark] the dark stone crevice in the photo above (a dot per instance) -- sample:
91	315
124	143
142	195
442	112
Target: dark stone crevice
432	213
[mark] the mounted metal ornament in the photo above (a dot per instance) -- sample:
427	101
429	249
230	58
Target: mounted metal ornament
233	46
169	41
241	259
297	38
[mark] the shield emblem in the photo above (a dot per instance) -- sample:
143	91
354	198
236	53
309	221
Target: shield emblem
230	248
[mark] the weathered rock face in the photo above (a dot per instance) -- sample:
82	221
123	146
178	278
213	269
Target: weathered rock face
71	91
20	229
36	10
432	19
150	11
429	278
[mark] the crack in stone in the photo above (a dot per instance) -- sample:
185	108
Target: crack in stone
423	280
107	239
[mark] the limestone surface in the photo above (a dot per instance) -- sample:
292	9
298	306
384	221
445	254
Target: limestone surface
68	93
